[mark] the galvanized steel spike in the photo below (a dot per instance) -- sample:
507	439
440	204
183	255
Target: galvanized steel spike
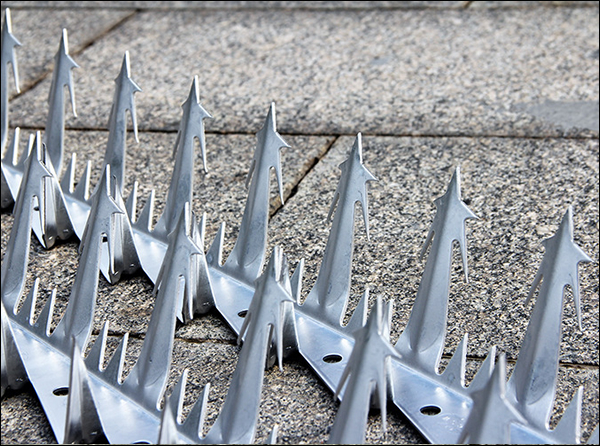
55	124
117	122
8	56
366	375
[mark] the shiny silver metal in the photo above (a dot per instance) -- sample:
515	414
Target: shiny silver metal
84	400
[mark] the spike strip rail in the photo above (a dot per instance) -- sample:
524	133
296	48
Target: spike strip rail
116	245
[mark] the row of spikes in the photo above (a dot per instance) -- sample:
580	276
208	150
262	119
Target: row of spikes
451	214
269	324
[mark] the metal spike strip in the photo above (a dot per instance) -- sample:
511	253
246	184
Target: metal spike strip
270	142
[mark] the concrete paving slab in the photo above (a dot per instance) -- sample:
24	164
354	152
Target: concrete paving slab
329	5
40	32
400	72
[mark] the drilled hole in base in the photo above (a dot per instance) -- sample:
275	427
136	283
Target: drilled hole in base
243	313
332	359
141	442
61	391
430	410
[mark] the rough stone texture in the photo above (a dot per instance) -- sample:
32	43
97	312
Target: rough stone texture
401	72
39	32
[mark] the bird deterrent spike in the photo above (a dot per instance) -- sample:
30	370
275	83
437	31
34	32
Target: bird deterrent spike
13	372
532	384
11	171
182	181
329	297
269	323
366	372
492	414
117	124
55	124
423	339
148	378
248	254
82	421
30	197
8	55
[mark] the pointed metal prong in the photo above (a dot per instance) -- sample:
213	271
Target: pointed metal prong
55	124
175	400
95	357
568	429
329	297
367	372
492	414
144	220
44	320
9	55
454	373
422	341
131	203
13	372
214	256
247	257
296	281
269	325
532	385
359	317
272	438
168	427
12	171
484	372
82	421
114	370
192	426
182	181
117	124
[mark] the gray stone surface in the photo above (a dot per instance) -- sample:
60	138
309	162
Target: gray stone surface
401	72
39	32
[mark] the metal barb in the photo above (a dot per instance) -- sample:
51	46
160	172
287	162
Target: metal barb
182	181
248	255
8	56
82	421
367	373
329	297
492	414
55	124
29	210
269	324
532	385
117	123
13	373
422	341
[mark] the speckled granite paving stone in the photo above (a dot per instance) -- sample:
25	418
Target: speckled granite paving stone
242	4
39	32
401	72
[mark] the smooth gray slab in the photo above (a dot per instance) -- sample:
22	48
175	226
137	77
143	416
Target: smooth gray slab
40	30
397	72
519	189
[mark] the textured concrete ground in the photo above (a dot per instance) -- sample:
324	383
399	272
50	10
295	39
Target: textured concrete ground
508	91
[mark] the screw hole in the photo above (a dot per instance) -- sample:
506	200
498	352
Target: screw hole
243	313
430	410
141	442
332	359
61	391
